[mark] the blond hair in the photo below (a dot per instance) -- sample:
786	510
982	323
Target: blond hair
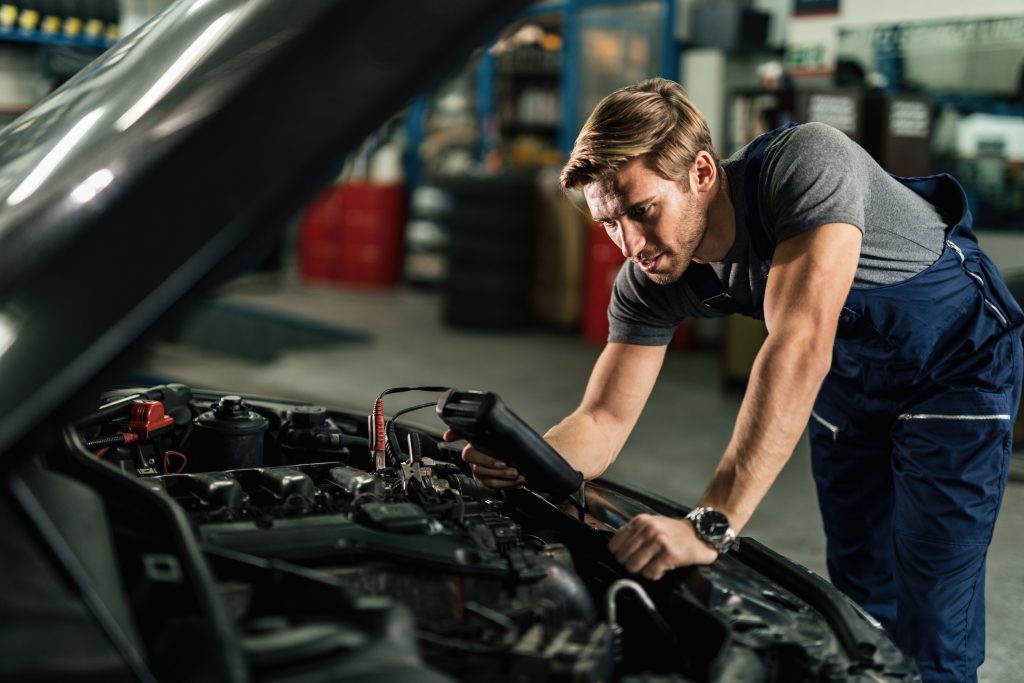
654	119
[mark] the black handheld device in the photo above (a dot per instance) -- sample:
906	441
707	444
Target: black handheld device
485	420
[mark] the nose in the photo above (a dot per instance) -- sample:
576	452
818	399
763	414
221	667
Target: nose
632	238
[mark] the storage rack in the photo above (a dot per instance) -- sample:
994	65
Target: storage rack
565	78
92	25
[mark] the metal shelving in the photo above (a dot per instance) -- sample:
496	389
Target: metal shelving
38	37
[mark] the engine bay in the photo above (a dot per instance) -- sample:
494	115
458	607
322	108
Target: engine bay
339	540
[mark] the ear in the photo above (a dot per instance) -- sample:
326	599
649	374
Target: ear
703	172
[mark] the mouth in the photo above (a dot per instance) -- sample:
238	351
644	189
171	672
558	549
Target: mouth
649	265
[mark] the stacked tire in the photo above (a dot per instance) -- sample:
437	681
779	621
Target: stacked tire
492	228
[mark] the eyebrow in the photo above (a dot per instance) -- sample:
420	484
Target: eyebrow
602	219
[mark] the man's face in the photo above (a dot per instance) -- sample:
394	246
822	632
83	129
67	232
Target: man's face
652	220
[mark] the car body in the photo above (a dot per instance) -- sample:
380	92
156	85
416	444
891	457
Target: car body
175	533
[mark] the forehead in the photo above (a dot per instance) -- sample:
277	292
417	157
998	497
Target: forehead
612	194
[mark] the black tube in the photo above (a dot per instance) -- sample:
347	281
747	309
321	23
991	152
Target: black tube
116	408
400	390
101	441
173	396
392	432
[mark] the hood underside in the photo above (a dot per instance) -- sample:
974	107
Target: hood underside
179	155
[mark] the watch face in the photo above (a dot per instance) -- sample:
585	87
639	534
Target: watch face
712	524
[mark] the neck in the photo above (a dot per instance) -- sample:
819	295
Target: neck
721	228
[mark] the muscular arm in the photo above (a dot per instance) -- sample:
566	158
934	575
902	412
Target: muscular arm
810	277
591	437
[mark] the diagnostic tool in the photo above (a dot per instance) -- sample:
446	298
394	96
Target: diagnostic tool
485	420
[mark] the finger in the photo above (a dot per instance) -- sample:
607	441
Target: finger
475	457
641	558
654	570
451	435
620	537
639	541
636	535
627	532
497	473
623	537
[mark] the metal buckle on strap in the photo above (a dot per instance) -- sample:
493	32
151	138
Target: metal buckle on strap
715	299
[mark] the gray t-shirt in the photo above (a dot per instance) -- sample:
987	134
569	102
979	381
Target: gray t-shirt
812	174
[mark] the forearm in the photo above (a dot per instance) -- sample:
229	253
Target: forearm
588	443
592	436
784	382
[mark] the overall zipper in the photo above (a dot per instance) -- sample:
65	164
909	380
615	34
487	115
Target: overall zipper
936	416
949	243
981	283
827	425
999	314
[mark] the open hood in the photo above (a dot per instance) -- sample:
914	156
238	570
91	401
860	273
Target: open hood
179	154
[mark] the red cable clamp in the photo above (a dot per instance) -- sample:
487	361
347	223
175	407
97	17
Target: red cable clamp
377	432
148	417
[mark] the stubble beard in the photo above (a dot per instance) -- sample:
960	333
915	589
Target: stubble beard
679	256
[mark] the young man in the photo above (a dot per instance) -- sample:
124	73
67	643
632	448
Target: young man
890	333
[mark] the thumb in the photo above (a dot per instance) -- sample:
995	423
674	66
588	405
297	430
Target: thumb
452	435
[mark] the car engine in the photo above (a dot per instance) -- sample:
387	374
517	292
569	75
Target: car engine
323	548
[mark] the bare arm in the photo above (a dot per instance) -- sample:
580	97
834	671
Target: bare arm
810	277
591	437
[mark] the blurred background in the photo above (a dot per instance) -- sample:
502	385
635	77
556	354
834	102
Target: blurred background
444	253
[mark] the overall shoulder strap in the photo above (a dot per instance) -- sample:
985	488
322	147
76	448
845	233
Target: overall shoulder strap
703	281
700	277
751	182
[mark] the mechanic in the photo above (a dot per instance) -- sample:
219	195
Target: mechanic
889	332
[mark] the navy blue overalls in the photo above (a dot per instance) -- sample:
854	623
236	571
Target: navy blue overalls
911	434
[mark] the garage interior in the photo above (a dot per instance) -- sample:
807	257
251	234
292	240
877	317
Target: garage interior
444	254
672	451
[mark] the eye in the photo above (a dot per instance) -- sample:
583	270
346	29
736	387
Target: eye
638	211
610	226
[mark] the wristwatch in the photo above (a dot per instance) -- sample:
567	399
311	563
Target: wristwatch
713	528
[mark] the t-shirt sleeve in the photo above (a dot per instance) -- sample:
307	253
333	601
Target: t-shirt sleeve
813	176
642	312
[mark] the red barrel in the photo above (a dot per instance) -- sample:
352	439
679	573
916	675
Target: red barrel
318	237
371	226
603	262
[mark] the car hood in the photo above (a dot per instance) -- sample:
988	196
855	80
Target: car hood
177	157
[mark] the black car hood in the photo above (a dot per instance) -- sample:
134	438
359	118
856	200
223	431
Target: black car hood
180	153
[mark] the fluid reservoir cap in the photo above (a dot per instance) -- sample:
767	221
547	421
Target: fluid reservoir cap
307	416
232	415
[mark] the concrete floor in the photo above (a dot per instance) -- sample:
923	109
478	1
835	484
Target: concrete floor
672	451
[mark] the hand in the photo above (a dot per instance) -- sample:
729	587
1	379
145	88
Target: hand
490	472
651	545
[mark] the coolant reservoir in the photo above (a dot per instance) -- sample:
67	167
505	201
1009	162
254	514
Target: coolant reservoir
230	436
